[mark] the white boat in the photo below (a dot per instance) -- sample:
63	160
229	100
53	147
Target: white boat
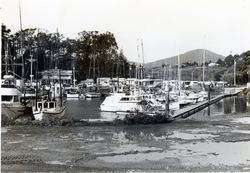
10	99
203	95
159	102
119	102
92	95
48	109
29	93
72	93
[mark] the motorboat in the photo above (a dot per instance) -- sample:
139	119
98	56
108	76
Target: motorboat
29	93
92	95
120	102
72	93
12	107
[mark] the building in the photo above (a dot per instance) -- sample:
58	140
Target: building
52	75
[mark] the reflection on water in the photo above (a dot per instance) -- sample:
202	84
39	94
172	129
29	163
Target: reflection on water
90	109
225	106
235	105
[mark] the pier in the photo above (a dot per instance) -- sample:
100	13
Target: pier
190	110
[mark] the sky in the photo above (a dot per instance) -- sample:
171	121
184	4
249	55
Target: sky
166	27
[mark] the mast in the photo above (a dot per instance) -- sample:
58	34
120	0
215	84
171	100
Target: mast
138	54
74	76
234	72
179	72
203	73
234	68
6	57
21	30
142	58
31	60
60	88
37	71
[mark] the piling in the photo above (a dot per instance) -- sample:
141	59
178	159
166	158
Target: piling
167	104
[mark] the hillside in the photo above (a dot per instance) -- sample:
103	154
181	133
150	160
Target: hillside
191	56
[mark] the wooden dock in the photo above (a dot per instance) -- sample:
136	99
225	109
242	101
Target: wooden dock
190	110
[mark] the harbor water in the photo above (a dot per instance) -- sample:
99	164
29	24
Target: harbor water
78	109
214	139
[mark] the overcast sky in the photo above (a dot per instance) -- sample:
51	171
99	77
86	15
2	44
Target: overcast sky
164	25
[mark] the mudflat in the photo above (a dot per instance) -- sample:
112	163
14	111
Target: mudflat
218	143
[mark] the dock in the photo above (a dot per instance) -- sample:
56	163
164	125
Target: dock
190	110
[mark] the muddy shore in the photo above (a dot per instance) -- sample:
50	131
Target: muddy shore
215	143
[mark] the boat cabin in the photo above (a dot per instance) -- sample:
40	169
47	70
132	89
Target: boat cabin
46	105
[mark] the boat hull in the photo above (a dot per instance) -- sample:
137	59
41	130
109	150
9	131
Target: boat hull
12	111
92	95
72	95
127	107
56	113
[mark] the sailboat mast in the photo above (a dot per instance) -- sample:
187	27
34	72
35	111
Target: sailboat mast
138	52
74	80
36	72
21	44
179	72
142	58
203	73
6	57
60	87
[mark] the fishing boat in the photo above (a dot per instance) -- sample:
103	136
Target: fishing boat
48	108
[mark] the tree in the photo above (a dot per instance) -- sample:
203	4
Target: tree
220	62
244	68
5	46
96	54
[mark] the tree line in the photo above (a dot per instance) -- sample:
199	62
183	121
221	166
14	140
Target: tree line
93	54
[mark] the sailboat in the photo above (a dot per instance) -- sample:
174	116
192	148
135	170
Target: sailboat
93	93
73	92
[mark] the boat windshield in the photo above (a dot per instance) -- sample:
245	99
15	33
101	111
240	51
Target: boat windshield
8	86
7	98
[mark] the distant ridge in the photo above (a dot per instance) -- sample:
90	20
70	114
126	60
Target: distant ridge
190	56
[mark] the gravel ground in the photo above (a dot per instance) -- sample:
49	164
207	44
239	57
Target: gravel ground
217	143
